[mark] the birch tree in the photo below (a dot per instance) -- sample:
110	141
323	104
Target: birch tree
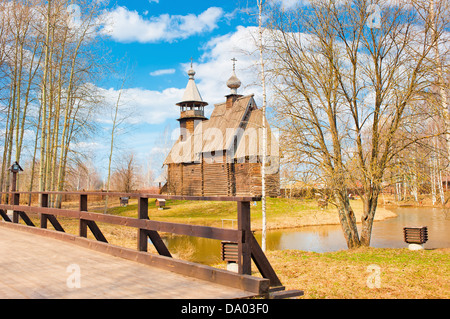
346	85
439	27
117	120
49	59
261	4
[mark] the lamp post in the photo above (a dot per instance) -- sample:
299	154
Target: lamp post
15	168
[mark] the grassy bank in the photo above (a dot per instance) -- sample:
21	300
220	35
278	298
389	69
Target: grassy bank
281	213
345	274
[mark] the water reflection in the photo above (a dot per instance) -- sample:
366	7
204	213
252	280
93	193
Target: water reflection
389	233
386	234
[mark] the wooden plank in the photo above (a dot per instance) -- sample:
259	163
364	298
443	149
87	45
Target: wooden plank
149	195
157	241
50	211
82	231
149	228
55	223
230	251
263	264
286	294
144	234
142	242
258	286
176	228
44	217
16	202
244	258
83	202
96	231
25	218
5	216
84	224
102	275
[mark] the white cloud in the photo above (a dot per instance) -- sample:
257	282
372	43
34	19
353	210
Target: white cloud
290	4
162	72
217	67
145	106
124	25
212	73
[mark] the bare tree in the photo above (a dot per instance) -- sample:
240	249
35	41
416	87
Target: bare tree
49	58
117	120
439	25
125	177
345	88
261	4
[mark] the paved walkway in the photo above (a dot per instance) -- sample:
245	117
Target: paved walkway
33	266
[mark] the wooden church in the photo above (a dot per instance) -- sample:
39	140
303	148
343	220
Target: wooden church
222	155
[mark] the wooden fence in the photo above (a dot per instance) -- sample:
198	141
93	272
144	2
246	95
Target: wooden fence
248	247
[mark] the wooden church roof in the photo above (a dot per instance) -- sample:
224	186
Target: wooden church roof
243	119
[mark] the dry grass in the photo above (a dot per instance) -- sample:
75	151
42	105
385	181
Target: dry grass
281	213
344	274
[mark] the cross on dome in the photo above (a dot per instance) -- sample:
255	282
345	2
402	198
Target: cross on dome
233	82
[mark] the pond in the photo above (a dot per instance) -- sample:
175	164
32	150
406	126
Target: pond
386	234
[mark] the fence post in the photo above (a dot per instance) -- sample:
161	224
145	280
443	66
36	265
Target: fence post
83	208
44	203
244	248
16	201
142	241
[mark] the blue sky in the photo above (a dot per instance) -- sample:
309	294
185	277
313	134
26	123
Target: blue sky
158	39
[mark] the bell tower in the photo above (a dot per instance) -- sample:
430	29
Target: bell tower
192	106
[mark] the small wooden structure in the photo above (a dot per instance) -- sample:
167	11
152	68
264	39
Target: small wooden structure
415	235
14	169
161	203
222	155
124	201
229	251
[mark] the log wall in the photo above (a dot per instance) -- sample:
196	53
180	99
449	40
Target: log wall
210	178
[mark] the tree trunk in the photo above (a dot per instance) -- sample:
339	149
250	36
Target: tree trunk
44	101
264	129
348	220
370	207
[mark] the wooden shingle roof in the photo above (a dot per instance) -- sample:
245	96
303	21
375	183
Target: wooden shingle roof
241	123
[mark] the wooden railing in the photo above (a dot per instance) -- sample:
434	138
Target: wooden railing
248	247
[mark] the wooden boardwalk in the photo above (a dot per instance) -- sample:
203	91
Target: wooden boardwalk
34	266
